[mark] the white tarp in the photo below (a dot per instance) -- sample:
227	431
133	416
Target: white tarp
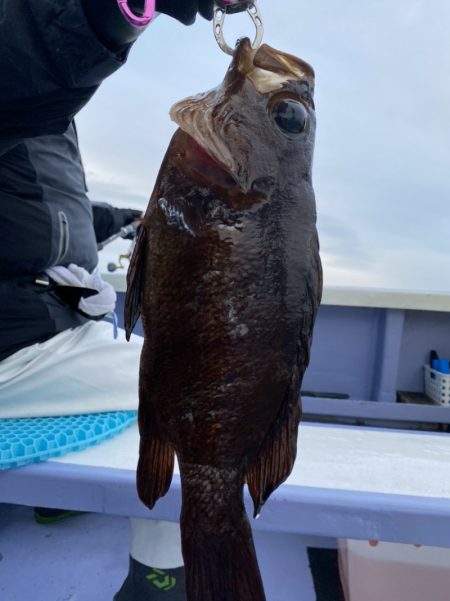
82	370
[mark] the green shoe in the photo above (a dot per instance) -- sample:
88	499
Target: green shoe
43	515
152	584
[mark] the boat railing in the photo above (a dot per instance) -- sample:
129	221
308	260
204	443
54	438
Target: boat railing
368	355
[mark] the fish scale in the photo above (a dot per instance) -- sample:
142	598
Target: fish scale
227	277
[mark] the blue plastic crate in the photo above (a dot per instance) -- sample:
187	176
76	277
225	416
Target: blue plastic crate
33	439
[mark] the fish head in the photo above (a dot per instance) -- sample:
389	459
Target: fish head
260	122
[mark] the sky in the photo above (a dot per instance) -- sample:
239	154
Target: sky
382	156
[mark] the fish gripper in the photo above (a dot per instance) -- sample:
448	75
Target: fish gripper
229	7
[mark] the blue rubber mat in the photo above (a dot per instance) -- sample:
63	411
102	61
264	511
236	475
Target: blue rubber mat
29	440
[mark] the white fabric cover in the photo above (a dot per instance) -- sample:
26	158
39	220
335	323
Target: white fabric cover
82	370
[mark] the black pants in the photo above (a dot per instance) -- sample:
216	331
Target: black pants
30	313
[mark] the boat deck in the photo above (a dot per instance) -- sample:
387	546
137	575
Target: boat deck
348	482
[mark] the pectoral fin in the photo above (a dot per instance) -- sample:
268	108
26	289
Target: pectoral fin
135	281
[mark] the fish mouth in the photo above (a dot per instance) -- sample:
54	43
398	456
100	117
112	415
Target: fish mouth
204	166
217	119
206	117
196	116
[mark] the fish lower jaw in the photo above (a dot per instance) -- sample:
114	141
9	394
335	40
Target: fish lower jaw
202	164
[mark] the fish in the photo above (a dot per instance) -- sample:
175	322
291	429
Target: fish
227	278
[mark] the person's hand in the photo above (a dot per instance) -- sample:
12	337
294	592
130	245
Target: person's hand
108	220
131	216
128	215
186	11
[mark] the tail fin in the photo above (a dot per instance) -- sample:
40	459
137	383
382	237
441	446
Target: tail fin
218	549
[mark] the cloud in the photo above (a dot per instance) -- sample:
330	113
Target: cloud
382	160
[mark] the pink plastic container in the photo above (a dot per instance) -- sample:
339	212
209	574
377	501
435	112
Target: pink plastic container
393	572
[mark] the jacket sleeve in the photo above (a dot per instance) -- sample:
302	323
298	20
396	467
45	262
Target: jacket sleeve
51	64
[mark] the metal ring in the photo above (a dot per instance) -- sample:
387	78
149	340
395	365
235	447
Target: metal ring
219	20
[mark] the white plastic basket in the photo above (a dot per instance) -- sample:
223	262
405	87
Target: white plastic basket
437	386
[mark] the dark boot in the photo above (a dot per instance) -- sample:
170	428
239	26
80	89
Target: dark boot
43	515
144	583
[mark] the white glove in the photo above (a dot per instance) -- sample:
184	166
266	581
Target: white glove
98	304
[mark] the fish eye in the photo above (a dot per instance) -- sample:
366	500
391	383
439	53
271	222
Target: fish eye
290	116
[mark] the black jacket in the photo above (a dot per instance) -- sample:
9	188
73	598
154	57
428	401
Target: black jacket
46	216
51	64
46	219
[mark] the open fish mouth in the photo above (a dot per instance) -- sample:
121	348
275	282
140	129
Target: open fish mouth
215	120
197	116
205	165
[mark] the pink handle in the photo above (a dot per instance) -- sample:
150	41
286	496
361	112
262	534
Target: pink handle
138	21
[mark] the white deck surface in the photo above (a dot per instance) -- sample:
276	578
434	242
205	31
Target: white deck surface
343	458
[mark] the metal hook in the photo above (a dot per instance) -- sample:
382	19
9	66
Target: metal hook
219	19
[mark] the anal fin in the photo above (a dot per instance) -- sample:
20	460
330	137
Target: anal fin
277	455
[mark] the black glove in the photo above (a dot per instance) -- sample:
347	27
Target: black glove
186	11
108	220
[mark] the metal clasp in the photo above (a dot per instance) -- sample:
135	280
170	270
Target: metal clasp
228	7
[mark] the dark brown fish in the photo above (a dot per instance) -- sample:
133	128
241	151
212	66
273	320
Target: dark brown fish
227	277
